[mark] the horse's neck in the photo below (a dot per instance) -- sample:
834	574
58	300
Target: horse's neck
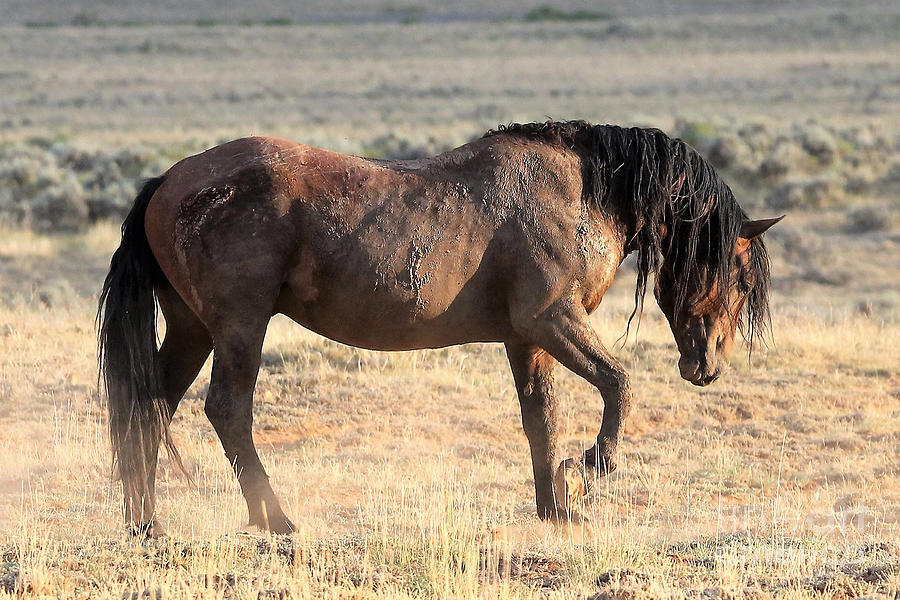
621	212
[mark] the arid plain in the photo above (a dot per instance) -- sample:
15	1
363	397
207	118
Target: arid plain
408	474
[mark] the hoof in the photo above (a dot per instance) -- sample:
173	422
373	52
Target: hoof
283	527
564	516
569	486
602	465
280	525
147	531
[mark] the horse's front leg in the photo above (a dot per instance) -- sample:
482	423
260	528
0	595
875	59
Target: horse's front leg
564	331
532	370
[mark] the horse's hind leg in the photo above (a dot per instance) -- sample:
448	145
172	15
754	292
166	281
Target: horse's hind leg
183	352
184	349
229	407
532	370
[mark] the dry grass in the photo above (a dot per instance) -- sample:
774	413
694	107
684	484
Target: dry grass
408	474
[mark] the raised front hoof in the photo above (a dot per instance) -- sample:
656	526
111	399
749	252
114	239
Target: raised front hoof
600	465
570	486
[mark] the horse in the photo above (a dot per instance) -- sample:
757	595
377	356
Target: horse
512	238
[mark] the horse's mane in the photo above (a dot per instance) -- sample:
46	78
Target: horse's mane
664	186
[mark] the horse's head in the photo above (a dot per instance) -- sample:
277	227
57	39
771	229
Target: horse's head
705	306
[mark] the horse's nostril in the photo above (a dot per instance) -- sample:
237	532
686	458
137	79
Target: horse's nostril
712	377
689	369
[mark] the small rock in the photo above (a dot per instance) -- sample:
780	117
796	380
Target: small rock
274	594
879	573
619	576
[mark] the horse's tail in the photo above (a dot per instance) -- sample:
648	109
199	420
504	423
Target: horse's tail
128	355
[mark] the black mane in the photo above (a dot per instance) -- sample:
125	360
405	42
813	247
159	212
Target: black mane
665	187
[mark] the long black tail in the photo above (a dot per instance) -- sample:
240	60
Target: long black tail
128	355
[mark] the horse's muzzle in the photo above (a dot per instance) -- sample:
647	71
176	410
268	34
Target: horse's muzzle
697	373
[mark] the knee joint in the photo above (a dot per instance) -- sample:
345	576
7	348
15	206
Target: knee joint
616	383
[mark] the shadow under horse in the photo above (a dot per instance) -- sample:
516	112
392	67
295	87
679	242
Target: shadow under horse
512	238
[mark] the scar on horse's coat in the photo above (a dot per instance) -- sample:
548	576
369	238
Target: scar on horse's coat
412	278
197	210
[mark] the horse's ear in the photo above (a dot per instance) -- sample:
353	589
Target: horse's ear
750	230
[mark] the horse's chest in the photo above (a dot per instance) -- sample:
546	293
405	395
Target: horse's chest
602	257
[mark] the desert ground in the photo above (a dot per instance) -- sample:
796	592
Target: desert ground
408	474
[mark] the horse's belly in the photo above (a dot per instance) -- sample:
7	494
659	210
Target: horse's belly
378	324
416	300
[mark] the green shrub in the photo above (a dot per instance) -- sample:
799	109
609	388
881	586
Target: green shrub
86	19
811	194
870	219
699	134
59	205
406	15
546	12
277	21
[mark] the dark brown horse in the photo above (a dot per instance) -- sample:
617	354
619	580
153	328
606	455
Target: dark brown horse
513	238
